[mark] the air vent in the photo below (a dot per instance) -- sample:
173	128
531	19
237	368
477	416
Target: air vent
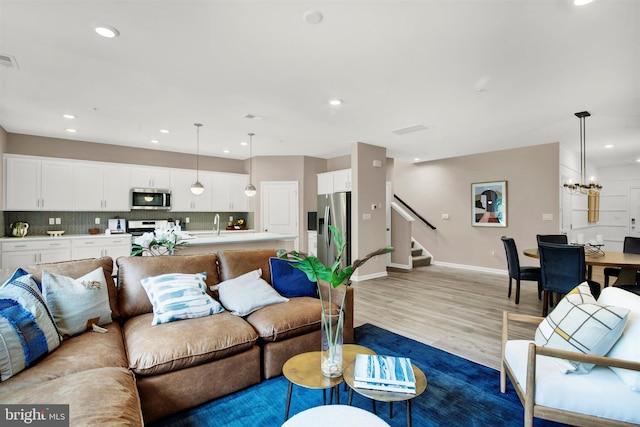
409	129
252	117
8	61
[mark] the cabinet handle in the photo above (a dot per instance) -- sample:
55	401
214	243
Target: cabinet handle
54	244
20	246
89	243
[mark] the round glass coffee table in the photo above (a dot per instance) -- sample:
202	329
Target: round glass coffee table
387	396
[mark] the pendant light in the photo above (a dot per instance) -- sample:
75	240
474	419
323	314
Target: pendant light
250	189
197	188
583	188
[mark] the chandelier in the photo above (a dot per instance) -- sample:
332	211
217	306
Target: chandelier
582	187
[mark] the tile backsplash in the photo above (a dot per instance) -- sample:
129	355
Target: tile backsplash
81	222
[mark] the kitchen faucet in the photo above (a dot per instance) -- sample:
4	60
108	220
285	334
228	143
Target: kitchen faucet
216	224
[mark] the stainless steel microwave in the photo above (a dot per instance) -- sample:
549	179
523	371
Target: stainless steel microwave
150	198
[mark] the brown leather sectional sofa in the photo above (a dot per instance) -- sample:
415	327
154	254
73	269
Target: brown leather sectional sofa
138	373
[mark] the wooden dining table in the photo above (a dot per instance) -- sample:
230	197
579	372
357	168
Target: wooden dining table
603	259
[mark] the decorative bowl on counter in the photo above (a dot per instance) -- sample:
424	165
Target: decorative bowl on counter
55	233
94	230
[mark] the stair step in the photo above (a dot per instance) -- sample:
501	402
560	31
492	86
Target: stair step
421	261
416	252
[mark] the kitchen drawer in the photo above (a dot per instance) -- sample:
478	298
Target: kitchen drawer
102	242
35	245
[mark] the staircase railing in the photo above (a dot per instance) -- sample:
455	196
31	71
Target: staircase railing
420	217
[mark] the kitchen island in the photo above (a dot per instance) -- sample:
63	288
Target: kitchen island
207	241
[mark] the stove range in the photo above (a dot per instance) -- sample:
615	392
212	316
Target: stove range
138	228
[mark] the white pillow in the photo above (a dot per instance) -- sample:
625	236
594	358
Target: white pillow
247	293
580	324
628	346
76	304
178	296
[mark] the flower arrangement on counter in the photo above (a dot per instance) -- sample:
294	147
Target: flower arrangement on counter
158	242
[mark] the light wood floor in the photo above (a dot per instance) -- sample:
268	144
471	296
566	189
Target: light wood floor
453	309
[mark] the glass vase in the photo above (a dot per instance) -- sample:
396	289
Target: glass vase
332	332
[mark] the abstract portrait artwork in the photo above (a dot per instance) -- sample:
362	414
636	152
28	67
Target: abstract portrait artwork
489	204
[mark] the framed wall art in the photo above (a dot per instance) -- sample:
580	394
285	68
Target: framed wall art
489	204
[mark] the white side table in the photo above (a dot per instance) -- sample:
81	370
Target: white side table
335	416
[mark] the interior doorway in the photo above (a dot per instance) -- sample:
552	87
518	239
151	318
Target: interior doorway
279	208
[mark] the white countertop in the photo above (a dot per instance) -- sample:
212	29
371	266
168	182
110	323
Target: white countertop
66	236
209	238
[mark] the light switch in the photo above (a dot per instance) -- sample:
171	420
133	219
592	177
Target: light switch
445	216
58	221
366	217
547	217
52	221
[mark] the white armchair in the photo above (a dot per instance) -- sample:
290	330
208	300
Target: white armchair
605	396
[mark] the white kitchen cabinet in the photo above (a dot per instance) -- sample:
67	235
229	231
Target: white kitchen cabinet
35	184
229	194
334	182
101	187
113	247
22	252
183	200
325	183
342	180
312	243
143	177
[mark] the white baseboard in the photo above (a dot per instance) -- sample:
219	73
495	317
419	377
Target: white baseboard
400	266
369	276
473	267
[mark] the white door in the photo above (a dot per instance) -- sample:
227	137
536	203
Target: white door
279	207
634	212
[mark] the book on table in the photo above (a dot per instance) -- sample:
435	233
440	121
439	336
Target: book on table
380	372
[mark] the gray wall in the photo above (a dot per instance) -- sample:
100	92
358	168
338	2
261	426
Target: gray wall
444	187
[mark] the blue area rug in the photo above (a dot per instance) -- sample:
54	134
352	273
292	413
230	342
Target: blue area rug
459	393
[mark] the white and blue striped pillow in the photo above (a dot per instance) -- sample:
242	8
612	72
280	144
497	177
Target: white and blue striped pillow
27	329
178	296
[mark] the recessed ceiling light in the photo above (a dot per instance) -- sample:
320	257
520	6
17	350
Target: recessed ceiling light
638	160
71	130
226	151
608	146
68	116
581	2
154	141
244	143
312	17
335	102
417	159
107	31
165	130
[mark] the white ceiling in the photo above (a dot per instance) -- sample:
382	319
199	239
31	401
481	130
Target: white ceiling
480	75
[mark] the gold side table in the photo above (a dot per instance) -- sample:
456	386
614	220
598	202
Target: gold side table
387	396
304	370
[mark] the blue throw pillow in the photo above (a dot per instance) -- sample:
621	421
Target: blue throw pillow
27	329
289	281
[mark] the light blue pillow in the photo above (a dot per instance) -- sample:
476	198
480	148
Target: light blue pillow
76	304
179	296
27	329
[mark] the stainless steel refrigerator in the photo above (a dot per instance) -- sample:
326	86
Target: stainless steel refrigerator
334	209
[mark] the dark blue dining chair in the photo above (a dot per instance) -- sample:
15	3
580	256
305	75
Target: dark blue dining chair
518	272
562	268
560	239
631	246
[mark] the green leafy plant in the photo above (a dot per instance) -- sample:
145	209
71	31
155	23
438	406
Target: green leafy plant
158	242
333	274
